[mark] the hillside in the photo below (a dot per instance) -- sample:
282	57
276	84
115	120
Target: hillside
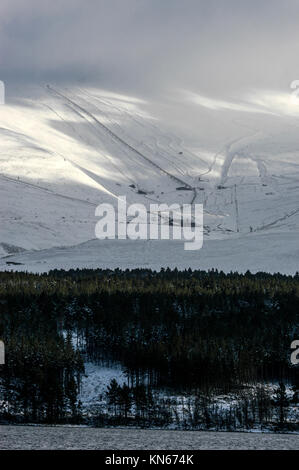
63	151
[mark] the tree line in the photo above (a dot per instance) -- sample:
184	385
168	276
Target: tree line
188	331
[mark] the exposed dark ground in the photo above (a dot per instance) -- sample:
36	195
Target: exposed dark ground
64	437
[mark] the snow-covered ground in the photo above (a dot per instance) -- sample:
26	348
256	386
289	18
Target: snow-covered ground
95	382
63	151
269	252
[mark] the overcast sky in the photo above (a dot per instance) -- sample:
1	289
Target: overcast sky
216	47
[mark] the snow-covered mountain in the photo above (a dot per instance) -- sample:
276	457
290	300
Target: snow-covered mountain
64	150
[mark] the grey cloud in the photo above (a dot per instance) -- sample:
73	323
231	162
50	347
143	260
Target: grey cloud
217	47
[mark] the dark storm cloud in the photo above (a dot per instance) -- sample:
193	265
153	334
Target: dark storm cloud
212	46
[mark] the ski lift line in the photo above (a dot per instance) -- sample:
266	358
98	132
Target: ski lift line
117	138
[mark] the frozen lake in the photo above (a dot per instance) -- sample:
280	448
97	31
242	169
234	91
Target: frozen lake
64	437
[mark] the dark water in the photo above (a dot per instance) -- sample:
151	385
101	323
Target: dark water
62	437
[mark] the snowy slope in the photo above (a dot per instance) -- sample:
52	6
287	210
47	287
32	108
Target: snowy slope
268	252
95	382
65	150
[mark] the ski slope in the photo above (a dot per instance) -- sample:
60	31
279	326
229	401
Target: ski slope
65	150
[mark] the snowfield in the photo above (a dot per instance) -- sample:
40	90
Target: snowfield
269	252
63	151
83	438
